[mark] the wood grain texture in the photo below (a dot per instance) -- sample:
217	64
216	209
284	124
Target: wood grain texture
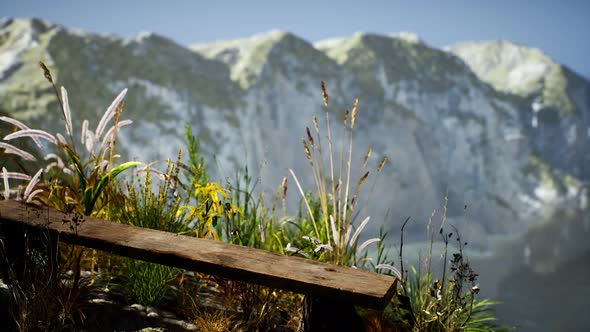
295	274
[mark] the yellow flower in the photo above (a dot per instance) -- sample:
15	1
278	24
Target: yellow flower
213	203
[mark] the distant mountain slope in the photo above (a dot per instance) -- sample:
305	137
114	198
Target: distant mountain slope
510	67
168	84
557	116
443	126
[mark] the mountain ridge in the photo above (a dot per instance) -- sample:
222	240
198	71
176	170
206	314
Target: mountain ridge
446	129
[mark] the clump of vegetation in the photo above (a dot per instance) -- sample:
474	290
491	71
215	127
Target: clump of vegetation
448	303
82	179
329	230
42	294
156	207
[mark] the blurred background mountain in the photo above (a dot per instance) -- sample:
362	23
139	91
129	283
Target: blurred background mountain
500	128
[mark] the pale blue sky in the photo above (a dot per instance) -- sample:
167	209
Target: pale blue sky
560	28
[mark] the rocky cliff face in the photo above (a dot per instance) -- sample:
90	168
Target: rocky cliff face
501	128
556	109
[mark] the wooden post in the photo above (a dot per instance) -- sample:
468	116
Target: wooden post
326	314
12	251
17	243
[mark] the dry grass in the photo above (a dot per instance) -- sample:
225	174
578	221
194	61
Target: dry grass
336	233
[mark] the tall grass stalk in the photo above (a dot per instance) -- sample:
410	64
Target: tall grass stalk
334	232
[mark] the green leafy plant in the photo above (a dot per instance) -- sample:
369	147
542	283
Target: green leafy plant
155	206
147	282
256	225
213	204
80	183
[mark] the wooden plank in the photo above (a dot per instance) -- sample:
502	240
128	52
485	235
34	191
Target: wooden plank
295	274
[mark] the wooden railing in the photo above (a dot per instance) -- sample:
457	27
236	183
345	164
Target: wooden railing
330	290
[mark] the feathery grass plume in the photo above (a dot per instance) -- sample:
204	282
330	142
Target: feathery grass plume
10	149
390	268
312	240
366	243
67	113
284	187
326	99
111	134
17	176
349	160
61	139
116	128
89	142
108	115
325	94
6	187
353	116
323	247
309	137
33	183
21	125
95	174
382	164
290	248
284	196
19	193
307	153
338	212
345	120
46	72
315	125
358	231
357	189
29	199
31	133
367	156
59	162
335	231
84	133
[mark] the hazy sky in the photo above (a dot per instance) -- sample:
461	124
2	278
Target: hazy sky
560	28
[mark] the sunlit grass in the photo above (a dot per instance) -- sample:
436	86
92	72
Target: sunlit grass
80	177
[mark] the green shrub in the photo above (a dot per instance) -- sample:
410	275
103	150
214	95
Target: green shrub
147	282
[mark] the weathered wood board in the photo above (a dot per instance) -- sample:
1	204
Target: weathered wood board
231	261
